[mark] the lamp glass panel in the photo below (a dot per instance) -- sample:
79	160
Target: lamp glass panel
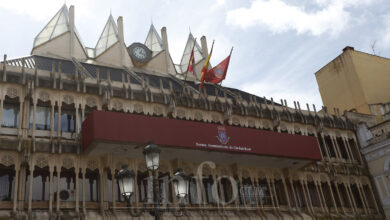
120	182
128	186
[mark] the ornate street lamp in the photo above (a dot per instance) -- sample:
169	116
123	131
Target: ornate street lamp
125	179
181	183
126	182
152	156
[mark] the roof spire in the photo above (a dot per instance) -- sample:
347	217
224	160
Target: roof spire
108	37
58	25
153	40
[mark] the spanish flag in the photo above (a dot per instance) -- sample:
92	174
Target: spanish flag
206	64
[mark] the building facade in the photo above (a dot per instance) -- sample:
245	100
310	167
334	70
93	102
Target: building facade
71	116
357	83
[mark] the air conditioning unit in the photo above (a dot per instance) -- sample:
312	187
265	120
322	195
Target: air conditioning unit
67	195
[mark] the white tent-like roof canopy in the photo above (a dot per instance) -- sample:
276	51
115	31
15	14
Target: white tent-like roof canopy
108	37
153	41
58	25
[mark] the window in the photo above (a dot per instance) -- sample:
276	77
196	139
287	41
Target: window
322	147
41	180
342	147
92	184
7	181
165	188
193	196
264	192
10	113
68	118
43	116
208	184
145	190
329	145
248	192
280	192
315	200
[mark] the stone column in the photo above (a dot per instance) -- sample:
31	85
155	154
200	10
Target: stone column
83	170
102	177
82	113
325	146
255	188
21	112
77	170
113	186
58	188
51	170
34	118
350	154
350	197
286	192
30	188
17	168
322	196
332	194
52	119
365	199
1	107
341	198
336	148
77	121
373	198
358	151
275	195
308	195
59	121
365	207
294	194
319	196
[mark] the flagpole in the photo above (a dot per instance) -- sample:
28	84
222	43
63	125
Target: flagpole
193	65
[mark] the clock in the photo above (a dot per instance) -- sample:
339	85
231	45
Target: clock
139	53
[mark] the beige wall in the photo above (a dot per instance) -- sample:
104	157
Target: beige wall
354	80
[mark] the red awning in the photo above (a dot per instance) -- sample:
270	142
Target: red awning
123	128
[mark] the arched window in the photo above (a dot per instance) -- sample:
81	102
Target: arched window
7	181
10	114
165	188
299	194
265	192
43	115
92	189
41	181
280	192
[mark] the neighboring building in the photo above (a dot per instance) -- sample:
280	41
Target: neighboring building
358	84
356	81
71	116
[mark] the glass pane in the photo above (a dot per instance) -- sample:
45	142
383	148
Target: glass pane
10	115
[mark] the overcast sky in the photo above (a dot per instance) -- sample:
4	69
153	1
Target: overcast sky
278	44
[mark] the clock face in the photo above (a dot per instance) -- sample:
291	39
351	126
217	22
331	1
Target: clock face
139	53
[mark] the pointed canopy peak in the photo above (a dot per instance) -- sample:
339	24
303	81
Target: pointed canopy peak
58	25
108	37
187	52
153	41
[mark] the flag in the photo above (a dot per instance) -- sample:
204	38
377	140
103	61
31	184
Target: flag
191	64
204	69
218	73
